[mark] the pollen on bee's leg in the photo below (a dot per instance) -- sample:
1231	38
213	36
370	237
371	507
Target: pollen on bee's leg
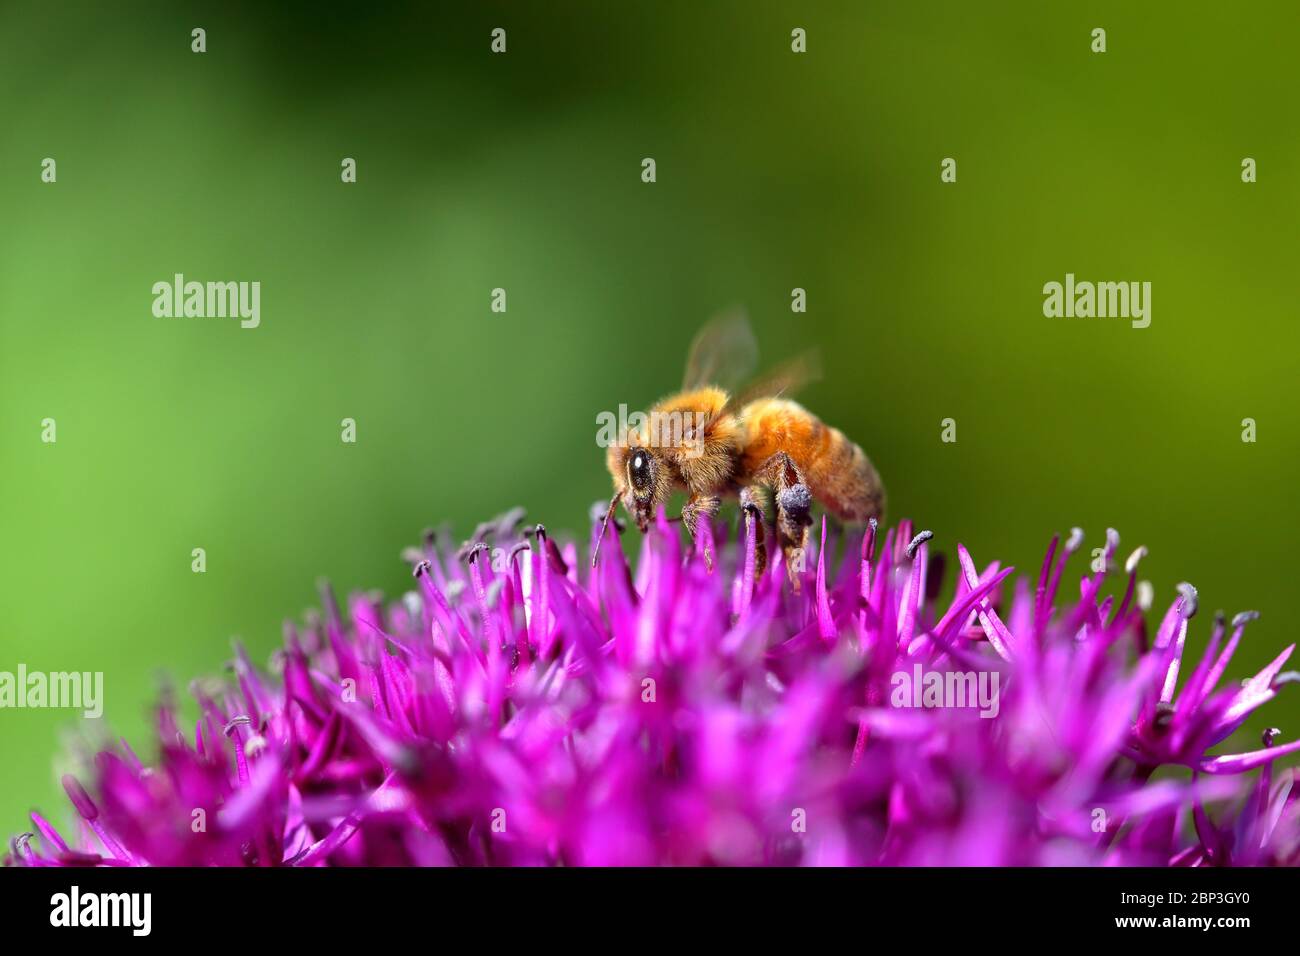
795	503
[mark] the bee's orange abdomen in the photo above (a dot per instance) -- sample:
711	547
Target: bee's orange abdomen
837	471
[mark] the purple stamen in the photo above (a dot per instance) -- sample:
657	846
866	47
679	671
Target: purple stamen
658	714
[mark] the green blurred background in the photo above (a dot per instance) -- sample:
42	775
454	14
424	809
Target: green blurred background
522	171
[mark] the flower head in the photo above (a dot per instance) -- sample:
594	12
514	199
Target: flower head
519	707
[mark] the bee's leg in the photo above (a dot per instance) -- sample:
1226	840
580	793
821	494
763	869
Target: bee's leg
793	518
793	511
696	505
751	504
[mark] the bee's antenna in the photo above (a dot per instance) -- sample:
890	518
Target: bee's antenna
613	503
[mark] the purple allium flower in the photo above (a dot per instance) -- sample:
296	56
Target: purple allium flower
520	708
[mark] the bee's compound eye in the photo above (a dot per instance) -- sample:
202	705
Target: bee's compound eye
639	468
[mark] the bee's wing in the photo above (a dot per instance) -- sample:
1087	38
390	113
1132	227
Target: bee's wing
723	353
783	379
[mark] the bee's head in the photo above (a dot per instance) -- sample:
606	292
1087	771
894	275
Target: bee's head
640	496
642	479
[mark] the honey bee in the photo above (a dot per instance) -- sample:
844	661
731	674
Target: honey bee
755	443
